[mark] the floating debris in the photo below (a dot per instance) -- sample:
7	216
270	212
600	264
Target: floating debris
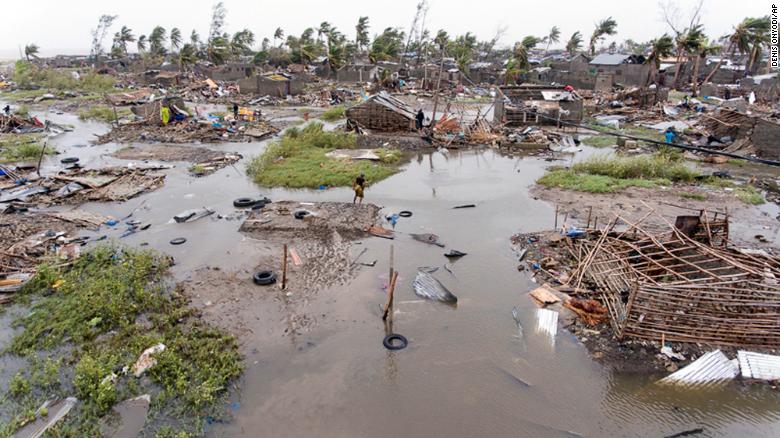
758	365
712	368
428	287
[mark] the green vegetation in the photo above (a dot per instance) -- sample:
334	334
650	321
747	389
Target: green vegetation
569	179
197	169
749	195
335	113
601	141
22	111
24	147
641	167
94	319
102	113
298	160
28	76
696	196
606	174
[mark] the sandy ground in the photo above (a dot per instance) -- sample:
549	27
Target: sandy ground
635	203
324	243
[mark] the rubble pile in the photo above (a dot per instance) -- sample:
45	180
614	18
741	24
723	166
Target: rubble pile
684	282
80	185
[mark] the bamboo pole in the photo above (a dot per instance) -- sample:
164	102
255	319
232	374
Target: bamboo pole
390	290
284	268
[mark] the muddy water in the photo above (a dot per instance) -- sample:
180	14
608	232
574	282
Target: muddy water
467	370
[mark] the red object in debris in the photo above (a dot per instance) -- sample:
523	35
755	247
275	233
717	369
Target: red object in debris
568	88
37	122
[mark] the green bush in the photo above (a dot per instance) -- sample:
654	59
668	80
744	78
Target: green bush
298	160
27	75
640	167
335	113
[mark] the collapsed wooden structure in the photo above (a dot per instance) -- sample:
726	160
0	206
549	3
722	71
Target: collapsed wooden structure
685	283
383	112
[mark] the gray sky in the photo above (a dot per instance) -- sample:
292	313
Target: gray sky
63	26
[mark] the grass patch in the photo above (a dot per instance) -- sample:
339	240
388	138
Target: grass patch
334	113
21	147
571	180
29	76
93	320
22	111
749	195
298	160
639	167
600	141
696	196
102	113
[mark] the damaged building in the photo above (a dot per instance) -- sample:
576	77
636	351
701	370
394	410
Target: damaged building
536	104
383	112
272	84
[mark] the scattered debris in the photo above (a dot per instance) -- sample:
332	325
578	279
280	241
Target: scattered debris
544	295
711	369
146	361
53	414
426	286
758	365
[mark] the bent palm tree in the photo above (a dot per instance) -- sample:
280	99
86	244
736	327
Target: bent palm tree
31	51
660	48
740	39
607	26
553	37
574	43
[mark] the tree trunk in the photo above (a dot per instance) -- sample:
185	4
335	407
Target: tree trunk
677	68
695	78
717	66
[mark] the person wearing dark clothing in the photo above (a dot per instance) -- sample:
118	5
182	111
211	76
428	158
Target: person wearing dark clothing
7	110
235	111
419	120
360	185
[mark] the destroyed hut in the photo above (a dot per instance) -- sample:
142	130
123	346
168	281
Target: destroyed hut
529	104
383	112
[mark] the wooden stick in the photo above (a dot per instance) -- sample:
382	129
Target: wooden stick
284	268
390	290
590	211
390	274
555	227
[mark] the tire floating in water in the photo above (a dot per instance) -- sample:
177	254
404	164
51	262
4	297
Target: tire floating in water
300	214
405	213
244	202
264	278
178	241
388	342
69	160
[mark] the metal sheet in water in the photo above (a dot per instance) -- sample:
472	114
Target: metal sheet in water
710	369
758	365
547	322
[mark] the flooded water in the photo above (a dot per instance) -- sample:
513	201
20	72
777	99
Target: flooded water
467	370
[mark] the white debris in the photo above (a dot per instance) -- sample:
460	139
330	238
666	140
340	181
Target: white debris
146	361
56	412
758	365
712	368
668	352
547	322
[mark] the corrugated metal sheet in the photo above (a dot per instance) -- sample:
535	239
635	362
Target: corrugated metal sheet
393	104
712	368
758	365
547	322
609	59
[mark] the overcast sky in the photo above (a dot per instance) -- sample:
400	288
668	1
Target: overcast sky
63	26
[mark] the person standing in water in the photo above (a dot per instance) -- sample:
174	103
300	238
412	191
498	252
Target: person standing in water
360	185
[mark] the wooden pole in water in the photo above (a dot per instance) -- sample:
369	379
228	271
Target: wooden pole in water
390	290
284	267
555	227
390	274
590	211
40	157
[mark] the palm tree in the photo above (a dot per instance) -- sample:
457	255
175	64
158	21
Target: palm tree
574	43
31	51
702	52
741	38
323	30
187	56
157	41
278	35
121	38
175	37
141	43
530	41
361	33
242	41
512	71
686	42
553	37
607	26
195	38
660	48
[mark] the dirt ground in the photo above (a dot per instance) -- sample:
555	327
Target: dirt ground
634	203
322	252
207	159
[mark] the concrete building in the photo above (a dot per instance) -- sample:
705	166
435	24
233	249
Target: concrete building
273	84
531	104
